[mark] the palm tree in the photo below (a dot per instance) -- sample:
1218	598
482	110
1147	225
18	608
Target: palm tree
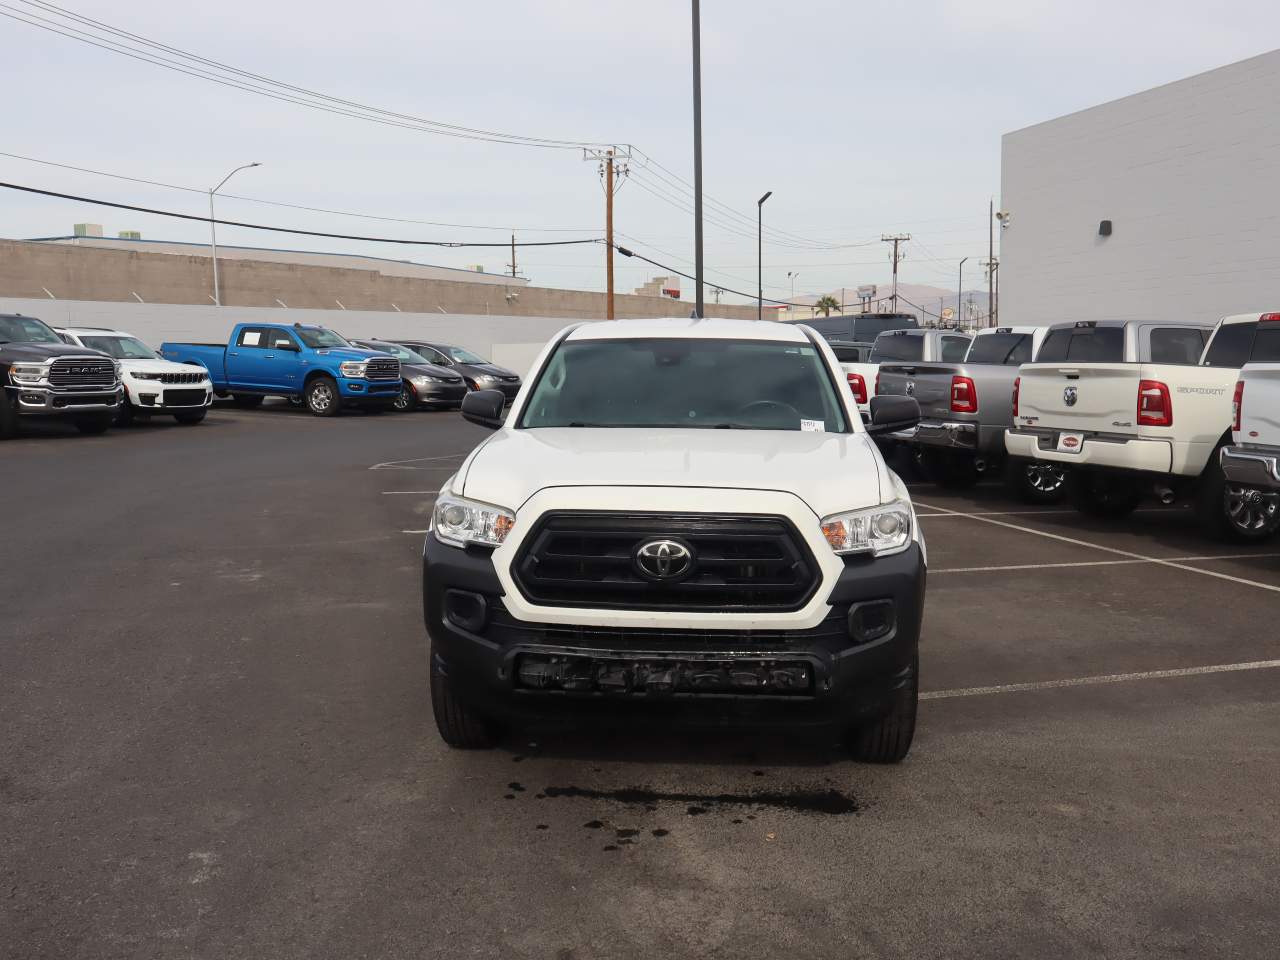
826	304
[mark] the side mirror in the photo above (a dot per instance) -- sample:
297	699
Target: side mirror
892	414
484	407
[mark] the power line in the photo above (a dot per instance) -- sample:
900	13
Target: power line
137	47
294	206
680	273
293	230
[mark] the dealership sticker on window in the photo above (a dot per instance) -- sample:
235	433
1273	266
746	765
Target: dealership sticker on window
813	426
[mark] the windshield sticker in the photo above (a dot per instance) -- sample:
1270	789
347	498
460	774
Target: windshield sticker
813	426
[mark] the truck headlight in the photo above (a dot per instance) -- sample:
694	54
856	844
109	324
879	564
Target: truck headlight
354	369
879	531
27	372
459	521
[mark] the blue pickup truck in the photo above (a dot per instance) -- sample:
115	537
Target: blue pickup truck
307	364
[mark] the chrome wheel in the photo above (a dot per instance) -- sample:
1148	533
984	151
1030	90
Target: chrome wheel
1045	479
320	397
1252	511
404	400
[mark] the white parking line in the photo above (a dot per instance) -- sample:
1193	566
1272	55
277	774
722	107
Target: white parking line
1033	513
393	493
1097	546
415	531
399	464
1101	563
1108	678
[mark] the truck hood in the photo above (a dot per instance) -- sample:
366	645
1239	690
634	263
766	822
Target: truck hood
44	351
829	472
351	353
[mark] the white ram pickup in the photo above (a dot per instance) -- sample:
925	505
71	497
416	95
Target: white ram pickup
1251	463
1127	407
678	517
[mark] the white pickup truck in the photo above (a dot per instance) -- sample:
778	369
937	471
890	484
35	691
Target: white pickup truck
901	346
1251	464
1129	409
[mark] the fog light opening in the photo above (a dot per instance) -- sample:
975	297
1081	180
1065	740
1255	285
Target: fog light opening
466	610
871	620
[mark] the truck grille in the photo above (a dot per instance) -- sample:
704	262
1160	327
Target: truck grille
79	373
740	563
388	369
183	377
184	398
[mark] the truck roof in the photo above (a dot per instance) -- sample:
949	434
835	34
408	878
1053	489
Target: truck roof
689	328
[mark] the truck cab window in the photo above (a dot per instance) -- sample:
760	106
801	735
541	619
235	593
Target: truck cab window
1230	345
252	337
282	341
1176	345
954	349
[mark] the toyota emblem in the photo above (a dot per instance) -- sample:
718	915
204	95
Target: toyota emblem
663	559
1069	396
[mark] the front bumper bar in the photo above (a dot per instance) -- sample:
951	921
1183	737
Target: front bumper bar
837	672
48	402
1252	468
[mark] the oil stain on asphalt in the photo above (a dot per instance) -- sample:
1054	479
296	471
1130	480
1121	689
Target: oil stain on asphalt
828	802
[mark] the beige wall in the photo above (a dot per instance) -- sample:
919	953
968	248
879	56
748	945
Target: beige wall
29	269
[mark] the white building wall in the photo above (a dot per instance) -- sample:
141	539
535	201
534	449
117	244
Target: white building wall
1189	175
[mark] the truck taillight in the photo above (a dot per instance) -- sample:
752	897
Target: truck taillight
964	395
1155	406
858	386
1017	384
1269	318
1237	402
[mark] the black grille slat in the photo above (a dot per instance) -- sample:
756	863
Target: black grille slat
176	378
743	563
80	373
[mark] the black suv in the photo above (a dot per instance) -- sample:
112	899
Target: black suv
40	376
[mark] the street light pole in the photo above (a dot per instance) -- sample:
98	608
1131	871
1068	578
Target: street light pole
791	307
760	254
699	303
960	289
213	229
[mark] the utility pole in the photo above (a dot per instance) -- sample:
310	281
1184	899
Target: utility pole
697	158
612	177
991	258
960	288
896	239
512	264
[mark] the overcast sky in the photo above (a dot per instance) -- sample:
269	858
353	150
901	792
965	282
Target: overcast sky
861	117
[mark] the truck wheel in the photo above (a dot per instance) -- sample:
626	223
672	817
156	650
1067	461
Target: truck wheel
247	400
125	414
1035	482
888	739
91	425
1227	511
321	397
405	400
8	416
187	417
460	726
1100	495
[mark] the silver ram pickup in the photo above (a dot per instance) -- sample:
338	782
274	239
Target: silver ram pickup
965	409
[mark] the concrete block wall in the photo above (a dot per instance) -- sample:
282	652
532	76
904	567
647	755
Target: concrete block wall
69	272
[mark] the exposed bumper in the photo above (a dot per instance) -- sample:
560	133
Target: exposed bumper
43	401
1120	453
158	397
440	392
352	389
1252	467
842	669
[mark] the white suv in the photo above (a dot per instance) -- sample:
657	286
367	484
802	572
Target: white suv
152	384
678	516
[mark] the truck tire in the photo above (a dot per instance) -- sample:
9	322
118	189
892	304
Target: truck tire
1101	495
405	400
8	416
460	725
321	397
93	424
188	417
125	414
1227	511
247	400
1034	482
888	739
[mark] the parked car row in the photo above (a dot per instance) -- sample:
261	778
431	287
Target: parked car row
95	376
1105	413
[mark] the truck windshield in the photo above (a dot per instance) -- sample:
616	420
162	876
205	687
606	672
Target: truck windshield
1002	348
897	347
686	383
1083	344
318	338
26	330
122	348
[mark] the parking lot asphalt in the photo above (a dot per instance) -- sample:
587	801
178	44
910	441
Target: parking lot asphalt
217	739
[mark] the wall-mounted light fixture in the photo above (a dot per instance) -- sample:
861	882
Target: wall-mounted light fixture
1104	228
